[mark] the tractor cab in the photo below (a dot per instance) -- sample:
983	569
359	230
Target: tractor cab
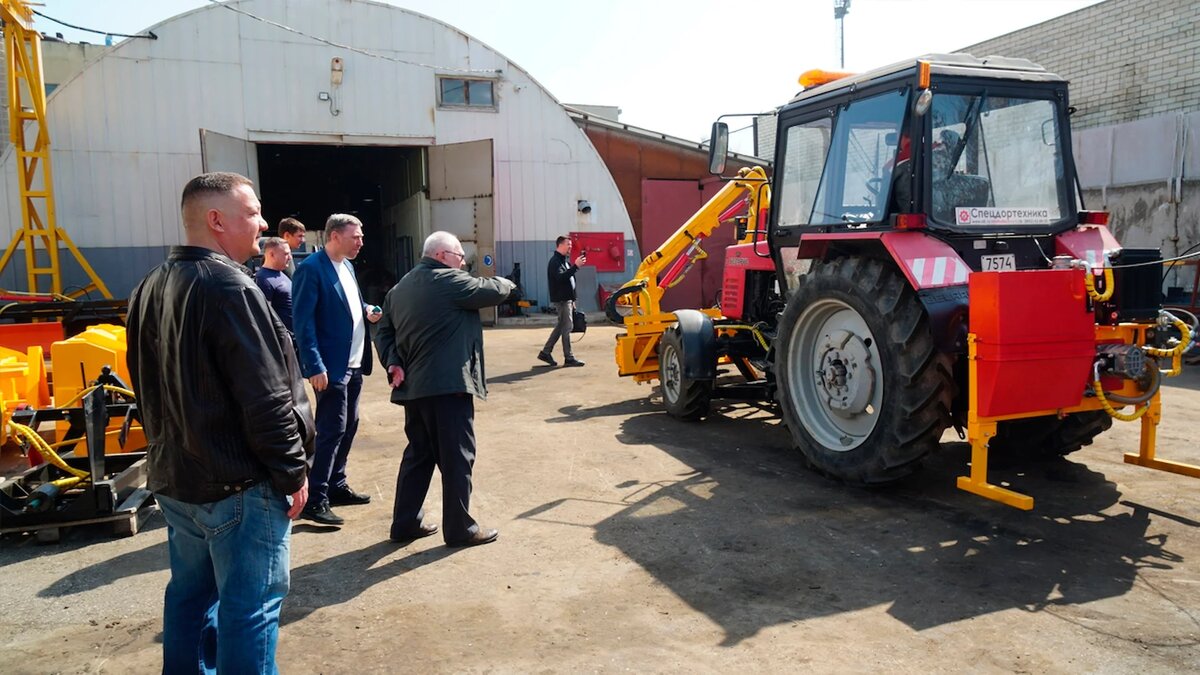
961	147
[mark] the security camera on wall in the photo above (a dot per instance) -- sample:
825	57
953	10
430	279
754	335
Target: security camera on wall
585	206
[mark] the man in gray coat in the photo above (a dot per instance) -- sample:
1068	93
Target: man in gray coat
431	342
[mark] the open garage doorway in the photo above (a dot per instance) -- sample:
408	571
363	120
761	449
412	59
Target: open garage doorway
385	187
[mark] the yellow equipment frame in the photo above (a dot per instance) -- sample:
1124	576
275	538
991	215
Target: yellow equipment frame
980	430
27	105
637	348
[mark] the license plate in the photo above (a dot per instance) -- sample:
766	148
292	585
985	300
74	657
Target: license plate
999	263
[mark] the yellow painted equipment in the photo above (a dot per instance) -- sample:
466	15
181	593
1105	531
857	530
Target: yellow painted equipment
77	360
74	363
22	381
640	298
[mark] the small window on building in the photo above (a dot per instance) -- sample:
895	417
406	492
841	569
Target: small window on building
456	92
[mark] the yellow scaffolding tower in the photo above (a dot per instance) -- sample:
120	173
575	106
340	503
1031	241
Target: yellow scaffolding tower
31	143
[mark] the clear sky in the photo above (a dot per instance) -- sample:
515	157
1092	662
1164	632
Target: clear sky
670	65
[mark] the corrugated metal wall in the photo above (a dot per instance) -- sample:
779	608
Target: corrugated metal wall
1147	174
125	131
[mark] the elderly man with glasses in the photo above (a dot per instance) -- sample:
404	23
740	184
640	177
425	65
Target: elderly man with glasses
431	341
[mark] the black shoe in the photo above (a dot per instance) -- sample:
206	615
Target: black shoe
546	358
322	515
421	531
573	363
481	537
344	496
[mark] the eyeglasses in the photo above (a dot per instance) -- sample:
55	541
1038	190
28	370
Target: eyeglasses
461	256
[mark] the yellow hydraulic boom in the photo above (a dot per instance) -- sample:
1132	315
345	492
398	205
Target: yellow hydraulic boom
639	299
31	143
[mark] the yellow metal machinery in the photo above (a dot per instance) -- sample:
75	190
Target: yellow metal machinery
91	469
74	363
30	136
981	429
640	298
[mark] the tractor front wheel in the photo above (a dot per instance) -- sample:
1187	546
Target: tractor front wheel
861	385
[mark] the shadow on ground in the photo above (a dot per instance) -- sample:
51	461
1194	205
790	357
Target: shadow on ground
751	538
333	581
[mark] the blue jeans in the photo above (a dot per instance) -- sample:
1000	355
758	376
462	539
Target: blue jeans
337	424
229	575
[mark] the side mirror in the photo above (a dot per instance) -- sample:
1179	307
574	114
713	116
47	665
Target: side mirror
718	147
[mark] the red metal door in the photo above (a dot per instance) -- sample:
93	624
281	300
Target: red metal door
667	204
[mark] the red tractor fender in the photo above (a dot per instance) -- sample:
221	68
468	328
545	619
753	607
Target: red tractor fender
933	269
925	261
1087	242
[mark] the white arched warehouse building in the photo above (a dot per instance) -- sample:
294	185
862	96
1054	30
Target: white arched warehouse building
410	123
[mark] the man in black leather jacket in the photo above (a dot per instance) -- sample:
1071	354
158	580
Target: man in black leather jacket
228	428
560	276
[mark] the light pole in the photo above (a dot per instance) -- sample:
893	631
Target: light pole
840	9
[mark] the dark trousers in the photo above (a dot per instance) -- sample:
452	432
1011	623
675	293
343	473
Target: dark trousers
441	433
562	329
337	423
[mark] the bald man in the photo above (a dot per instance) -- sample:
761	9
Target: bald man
229	433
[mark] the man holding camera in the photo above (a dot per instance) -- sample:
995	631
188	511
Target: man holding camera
561	276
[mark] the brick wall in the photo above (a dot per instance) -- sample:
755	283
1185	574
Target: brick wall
1125	59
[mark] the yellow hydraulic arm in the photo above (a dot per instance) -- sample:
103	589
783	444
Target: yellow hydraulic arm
31	144
639	299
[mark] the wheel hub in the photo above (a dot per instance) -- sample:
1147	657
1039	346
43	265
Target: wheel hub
672	374
846	377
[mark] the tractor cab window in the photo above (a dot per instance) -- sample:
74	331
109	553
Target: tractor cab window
996	161
838	171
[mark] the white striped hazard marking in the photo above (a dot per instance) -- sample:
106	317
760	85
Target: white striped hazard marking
940	271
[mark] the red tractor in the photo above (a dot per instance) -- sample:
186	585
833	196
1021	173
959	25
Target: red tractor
920	260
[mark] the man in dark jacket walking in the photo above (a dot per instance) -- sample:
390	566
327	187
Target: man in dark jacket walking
431	341
560	274
229	433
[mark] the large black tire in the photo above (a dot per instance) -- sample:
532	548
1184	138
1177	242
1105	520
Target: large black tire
863	389
684	398
1049	437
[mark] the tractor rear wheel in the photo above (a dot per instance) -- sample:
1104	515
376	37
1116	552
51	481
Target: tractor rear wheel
684	397
863	389
1049	437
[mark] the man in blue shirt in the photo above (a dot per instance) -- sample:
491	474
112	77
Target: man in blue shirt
276	285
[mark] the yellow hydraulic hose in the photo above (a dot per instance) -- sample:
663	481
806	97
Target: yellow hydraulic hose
1116	414
1176	352
47	451
107	387
758	336
44	448
1089	280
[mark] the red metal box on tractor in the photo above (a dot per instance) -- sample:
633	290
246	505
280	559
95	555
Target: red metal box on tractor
1035	339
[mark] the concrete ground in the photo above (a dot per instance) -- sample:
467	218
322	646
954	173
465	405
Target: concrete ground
631	541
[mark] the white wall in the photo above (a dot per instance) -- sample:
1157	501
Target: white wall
125	131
